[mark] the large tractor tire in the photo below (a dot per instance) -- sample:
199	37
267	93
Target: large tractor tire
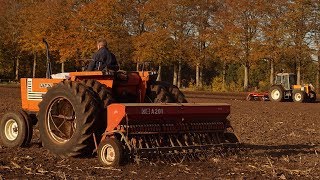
276	93
163	96
68	117
177	94
106	98
312	96
105	93
299	96
16	129
166	92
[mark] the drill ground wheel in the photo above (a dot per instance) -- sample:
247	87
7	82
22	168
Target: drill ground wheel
67	118
15	129
299	96
276	93
105	93
110	152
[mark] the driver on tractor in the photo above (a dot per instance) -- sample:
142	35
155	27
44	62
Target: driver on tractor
103	59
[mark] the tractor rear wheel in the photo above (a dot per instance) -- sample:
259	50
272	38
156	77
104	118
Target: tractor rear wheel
163	96
106	98
177	94
104	92
276	93
15	129
67	118
299	96
166	92
312	96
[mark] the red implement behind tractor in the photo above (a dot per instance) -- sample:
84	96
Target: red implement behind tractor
119	114
255	96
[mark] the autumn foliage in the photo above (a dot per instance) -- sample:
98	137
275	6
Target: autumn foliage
242	43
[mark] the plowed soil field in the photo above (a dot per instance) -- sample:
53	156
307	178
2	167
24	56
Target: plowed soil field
281	140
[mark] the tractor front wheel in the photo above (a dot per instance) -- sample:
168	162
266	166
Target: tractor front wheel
15	129
299	96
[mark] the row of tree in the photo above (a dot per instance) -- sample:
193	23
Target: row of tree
255	38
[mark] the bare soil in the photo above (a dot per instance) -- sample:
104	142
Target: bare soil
282	141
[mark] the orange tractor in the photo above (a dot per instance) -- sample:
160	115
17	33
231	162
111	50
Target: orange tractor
121	115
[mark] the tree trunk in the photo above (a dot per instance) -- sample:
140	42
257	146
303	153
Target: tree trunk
34	64
224	69
197	74
62	67
271	71
159	74
246	77
179	75
318	75
175	74
318	78
17	69
200	77
299	73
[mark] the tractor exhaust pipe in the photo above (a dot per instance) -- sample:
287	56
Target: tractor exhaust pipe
49	70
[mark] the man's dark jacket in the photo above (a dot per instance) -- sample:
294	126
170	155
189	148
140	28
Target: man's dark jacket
101	59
